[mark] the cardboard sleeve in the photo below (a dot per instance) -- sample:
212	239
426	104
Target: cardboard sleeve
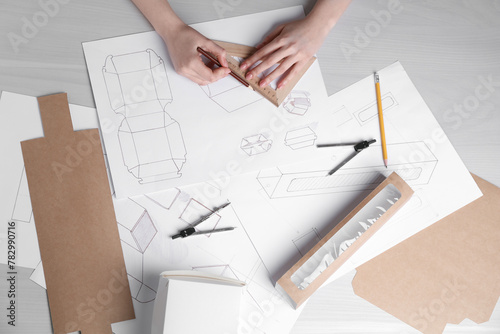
345	239
81	253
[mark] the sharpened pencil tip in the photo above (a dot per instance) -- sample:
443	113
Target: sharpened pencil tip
385	163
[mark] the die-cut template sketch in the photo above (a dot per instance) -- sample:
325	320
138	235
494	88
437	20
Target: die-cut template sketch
300	138
306	241
231	95
137	231
256	144
151	141
297	102
370	111
278	183
194	211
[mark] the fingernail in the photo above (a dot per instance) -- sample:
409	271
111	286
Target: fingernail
244	66
249	76
263	83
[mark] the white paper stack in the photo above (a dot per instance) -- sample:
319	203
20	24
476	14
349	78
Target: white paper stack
192	302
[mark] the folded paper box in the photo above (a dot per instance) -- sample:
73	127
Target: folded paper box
192	302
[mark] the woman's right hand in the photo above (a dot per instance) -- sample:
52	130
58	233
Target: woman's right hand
182	42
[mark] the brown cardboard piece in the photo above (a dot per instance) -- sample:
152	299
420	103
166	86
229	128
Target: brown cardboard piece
82	258
300	295
446	273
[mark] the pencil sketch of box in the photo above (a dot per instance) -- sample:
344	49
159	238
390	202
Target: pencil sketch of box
354	176
256	144
300	138
230	94
297	102
370	112
150	140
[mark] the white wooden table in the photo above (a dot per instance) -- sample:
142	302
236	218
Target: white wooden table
449	49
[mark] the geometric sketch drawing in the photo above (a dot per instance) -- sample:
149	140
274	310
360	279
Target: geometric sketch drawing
230	94
370	111
151	141
22	211
134	262
135	226
300	138
297	102
256	144
341	116
226	270
195	210
278	184
164	199
306	241
137	231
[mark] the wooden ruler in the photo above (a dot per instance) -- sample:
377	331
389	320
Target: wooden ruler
275	96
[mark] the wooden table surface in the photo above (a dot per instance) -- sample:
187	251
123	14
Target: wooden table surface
449	48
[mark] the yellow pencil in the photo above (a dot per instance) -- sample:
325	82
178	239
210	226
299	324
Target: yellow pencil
381	119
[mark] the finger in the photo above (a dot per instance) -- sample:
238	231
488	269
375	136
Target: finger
194	78
271	36
292	72
199	73
216	50
260	54
220	73
282	68
207	75
268	62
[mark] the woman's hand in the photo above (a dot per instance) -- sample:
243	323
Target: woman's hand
182	42
292	45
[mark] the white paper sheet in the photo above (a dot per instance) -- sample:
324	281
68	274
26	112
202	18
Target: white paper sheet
293	207
145	225
162	130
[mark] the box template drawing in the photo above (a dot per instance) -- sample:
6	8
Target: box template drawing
138	88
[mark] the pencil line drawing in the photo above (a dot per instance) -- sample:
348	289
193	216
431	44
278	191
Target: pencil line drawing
370	111
195	210
151	141
256	144
22	211
297	102
305	242
252	288
229	94
134	263
278	184
300	138
341	116
137	230
164	199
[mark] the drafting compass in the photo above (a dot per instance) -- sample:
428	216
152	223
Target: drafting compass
358	147
192	231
